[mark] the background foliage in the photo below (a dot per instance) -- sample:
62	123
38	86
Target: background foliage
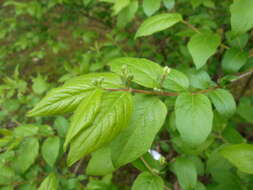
192	57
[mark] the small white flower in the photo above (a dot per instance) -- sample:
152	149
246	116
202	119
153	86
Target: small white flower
156	155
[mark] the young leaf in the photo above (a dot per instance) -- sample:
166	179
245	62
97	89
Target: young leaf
61	100
113	117
158	23
233	60
194	117
145	72
240	155
148	181
176	81
148	117
186	172
223	101
84	115
169	4
50	150
39	84
66	98
202	46
241	16
151	6
49	183
26	155
127	14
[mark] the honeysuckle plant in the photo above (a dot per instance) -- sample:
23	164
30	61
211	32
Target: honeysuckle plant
162	86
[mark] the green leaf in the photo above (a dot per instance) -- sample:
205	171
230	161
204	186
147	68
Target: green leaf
100	163
200	186
233	60
194	117
199	165
119	5
25	131
66	98
219	167
87	2
240	155
176	81
61	100
238	41
200	79
151	6
196	3
49	183
186	173
7	175
39	84
148	181
26	154
223	101
233	136
202	46
127	14
146	73
156	165
158	23
45	130
245	110
241	16
169	4
61	124
148	117
50	150
84	115
115	112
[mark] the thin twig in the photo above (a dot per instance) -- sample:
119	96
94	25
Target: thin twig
191	26
77	167
248	73
148	166
245	88
152	171
159	93
206	90
162	93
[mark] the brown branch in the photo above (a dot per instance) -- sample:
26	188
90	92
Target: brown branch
162	93
159	93
77	167
206	90
191	26
243	75
247	84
